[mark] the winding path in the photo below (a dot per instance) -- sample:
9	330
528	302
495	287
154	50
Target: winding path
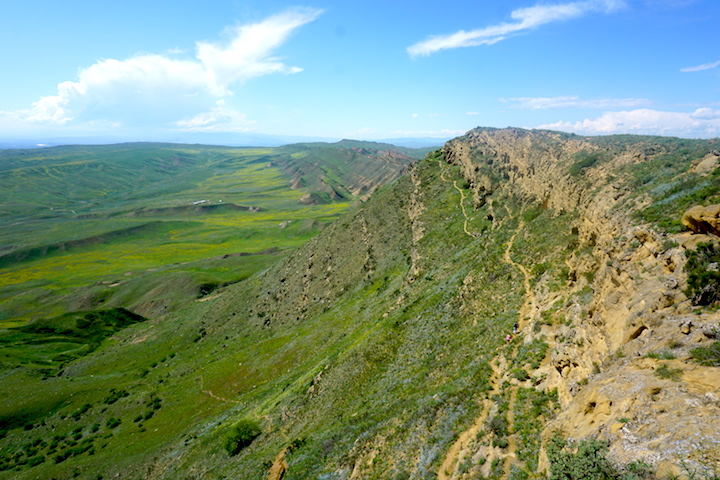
462	201
460	448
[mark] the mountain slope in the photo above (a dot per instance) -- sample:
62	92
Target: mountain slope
379	349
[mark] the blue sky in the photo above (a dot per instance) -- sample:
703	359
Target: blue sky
160	70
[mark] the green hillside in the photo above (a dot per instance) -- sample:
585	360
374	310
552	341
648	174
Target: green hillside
79	219
383	347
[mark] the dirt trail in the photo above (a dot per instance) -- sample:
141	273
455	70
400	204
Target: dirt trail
216	397
459	450
530	303
462	201
512	438
415	210
526	311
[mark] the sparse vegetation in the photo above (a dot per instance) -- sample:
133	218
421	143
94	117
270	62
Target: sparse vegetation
531	353
668	373
708	356
703	274
661	355
584	160
588	459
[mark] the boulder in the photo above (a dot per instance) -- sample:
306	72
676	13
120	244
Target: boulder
701	219
707	165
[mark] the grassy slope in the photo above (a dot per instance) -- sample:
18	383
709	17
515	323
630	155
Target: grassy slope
245	353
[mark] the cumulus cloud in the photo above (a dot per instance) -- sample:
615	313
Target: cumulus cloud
698	68
705	114
702	123
524	19
543	103
158	89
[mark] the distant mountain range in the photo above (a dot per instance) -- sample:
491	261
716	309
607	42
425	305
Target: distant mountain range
225	139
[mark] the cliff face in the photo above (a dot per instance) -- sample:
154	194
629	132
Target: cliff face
604	360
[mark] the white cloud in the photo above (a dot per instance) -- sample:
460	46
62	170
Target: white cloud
705	114
156	89
220	118
698	68
248	53
702	123
524	19
543	103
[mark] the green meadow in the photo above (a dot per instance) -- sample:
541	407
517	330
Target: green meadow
92	226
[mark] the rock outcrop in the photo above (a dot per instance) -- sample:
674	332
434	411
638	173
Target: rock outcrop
701	219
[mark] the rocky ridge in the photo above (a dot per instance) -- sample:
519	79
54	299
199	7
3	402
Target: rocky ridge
600	360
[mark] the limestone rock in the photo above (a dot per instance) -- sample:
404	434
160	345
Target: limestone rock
701	219
707	164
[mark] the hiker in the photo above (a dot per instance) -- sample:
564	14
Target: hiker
508	337
515	328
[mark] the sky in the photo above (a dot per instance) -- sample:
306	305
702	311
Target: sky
173	70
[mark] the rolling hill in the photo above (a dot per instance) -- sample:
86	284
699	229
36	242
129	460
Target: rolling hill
79	218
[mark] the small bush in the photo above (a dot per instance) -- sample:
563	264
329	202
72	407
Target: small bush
668	373
36	460
498	425
663	355
703	275
708	356
500	442
587	460
582	161
112	422
241	435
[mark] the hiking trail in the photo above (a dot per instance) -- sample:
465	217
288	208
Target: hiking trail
462	201
460	449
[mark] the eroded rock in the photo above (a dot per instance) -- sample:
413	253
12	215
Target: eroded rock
701	219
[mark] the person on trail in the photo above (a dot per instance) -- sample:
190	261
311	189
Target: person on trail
515	328
508	337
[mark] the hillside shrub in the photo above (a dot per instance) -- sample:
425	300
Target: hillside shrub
667	373
531	353
498	425
241	435
112	422
588	460
582	161
520	374
708	356
703	274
